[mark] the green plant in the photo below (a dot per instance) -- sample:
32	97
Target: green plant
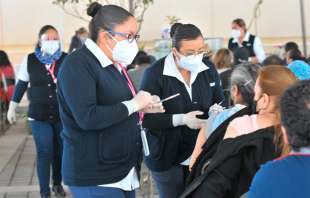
173	19
76	8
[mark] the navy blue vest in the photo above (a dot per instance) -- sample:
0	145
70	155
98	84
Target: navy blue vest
247	44
42	91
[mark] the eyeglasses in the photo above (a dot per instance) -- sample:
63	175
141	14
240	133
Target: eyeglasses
129	37
194	53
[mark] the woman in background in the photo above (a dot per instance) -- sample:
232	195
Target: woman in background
7	78
40	69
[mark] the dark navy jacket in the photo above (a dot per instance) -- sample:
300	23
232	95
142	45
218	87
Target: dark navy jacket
249	45
101	142
171	145
42	94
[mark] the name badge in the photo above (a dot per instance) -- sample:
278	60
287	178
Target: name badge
145	144
212	84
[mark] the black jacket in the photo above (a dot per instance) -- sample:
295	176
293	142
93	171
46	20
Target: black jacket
101	142
42	93
211	145
249	45
230	172
171	145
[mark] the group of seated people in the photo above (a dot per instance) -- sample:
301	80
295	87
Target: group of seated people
260	145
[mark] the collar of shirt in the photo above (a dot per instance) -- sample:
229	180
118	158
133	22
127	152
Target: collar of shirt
303	150
246	38
170	69
98	53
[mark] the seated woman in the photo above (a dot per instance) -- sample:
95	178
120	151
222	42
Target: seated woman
230	170
223	61
242	93
289	175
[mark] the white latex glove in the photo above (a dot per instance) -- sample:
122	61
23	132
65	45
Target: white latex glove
155	107
11	115
142	100
192	121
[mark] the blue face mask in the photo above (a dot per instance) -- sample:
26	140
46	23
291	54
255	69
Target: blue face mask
190	63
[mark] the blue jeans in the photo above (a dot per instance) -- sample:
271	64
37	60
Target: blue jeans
49	152
171	183
100	192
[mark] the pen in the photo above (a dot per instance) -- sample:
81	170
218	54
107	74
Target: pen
169	98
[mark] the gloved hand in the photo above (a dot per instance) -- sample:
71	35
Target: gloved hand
11	115
155	107
142	100
192	121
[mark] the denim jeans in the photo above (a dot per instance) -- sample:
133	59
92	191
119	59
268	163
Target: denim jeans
49	153
171	183
100	192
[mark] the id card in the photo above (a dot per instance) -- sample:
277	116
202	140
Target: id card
145	144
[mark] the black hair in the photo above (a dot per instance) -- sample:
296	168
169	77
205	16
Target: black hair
42	31
241	55
105	17
295	54
295	114
273	60
244	77
142	58
81	30
183	32
173	28
290	45
4	59
240	22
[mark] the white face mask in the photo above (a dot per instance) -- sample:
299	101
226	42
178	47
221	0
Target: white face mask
235	33
190	63
124	52
50	46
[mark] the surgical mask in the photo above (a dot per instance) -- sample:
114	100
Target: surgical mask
124	52
190	63
83	39
50	46
235	33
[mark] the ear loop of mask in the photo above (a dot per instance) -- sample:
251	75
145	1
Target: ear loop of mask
116	41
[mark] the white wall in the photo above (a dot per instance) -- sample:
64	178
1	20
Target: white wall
21	19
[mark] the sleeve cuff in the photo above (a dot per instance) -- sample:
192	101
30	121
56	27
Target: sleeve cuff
177	120
130	107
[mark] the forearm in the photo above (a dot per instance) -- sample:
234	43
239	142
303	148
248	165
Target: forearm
201	139
19	91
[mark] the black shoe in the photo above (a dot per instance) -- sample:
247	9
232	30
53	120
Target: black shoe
59	191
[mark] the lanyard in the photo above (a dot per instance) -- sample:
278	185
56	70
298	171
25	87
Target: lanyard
132	90
51	70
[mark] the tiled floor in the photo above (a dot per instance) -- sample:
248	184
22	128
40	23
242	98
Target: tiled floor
18	177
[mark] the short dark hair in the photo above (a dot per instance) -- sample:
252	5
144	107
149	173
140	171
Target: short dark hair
183	32
4	59
290	45
295	54
142	58
295	114
273	60
81	30
42	31
105	17
240	22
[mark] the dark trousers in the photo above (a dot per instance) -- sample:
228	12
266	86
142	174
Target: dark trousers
49	153
171	183
100	192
